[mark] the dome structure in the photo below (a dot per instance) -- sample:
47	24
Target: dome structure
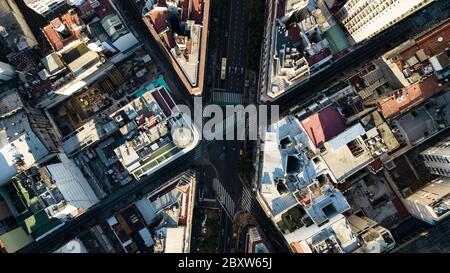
182	137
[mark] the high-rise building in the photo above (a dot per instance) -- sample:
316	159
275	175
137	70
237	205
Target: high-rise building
365	18
437	158
430	203
45	7
15	33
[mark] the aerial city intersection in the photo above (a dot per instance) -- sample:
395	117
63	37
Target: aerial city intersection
224	126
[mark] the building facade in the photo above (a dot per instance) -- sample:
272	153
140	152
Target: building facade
45	7
431	203
437	158
366	18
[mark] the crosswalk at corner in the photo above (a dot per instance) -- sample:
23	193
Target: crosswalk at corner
227	98
224	198
246	203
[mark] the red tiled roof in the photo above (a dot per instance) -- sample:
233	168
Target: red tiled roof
71	21
403	99
324	125
53	37
429	42
158	18
376	165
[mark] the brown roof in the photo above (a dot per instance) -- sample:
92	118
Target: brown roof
324	125
402	99
52	36
197	11
428	43
4	210
158	18
71	21
105	8
168	39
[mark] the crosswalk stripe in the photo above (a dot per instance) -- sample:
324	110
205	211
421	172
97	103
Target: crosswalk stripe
224	199
246	203
227	97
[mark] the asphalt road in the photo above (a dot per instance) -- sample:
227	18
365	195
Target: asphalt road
223	159
224	155
308	91
237	48
225	234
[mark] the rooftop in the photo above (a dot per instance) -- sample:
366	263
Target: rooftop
126	225
435	195
86	49
347	153
402	100
163	217
146	123
324	125
302	38
296	184
63	30
181	27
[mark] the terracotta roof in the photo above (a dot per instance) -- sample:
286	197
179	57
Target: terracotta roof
324	125
158	18
429	42
402	99
52	36
297	248
70	21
